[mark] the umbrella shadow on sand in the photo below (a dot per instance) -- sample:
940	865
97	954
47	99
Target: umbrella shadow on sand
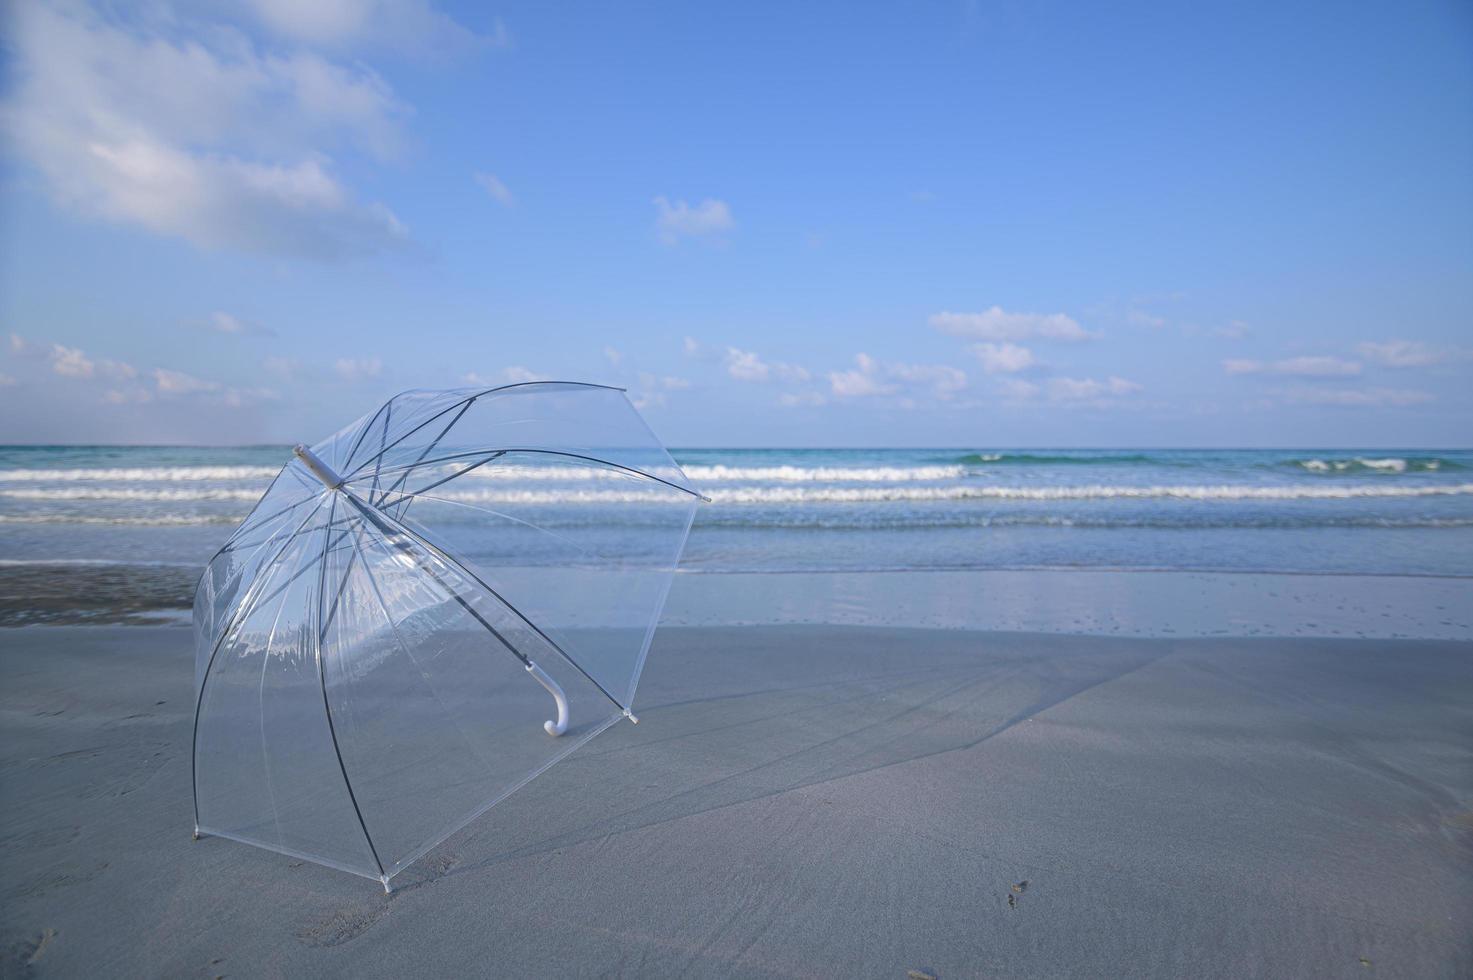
832	703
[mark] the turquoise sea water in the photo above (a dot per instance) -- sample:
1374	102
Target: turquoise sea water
1340	511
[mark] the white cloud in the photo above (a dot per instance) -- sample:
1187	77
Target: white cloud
1016	389
653	388
1409	353
943	380
6	381
613	355
1003	358
498	191
514	375
678	220
246	397
1304	367
134	395
1141	318
796	399
1233	330
358	368
745	365
668	382
998	324
691	346
871	378
198	135
226	323
1089	389
285	368
1358	397
1069	390
412	26
859	384
69	362
648	399
179	383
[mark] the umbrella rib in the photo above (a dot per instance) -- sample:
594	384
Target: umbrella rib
301	571
375	516
332	612
327	708
552	452
433	443
247	525
247	604
563	539
446	479
442	583
378	594
487	391
382	440
348	460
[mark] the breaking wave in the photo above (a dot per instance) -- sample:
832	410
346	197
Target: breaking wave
114	493
141	474
1049	459
1367	464
801	495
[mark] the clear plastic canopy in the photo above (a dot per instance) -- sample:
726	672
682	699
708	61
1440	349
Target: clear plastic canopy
425	611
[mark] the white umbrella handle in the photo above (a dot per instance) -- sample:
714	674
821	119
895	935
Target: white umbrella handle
553	728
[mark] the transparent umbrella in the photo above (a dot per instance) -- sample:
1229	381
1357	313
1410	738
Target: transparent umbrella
425	611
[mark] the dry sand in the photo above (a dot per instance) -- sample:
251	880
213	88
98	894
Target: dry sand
804	802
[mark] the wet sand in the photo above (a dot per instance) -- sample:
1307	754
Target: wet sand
798	802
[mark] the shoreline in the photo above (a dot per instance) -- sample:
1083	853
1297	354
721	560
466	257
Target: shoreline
1079	601
1028	804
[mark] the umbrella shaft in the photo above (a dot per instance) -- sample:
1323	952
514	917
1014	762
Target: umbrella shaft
319	469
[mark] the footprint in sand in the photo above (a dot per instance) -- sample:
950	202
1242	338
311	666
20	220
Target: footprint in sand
342	926
20	958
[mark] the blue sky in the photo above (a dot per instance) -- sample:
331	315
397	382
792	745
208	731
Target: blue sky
962	224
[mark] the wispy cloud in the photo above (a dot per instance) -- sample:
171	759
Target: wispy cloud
178	383
1304	367
231	325
1357	397
999	325
513	375
1090	389
492	185
745	365
708	219
409	26
1410	353
870	378
1003	358
71	362
358	368
1079	391
188	130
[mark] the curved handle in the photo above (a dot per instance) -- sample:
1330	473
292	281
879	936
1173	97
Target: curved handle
553	728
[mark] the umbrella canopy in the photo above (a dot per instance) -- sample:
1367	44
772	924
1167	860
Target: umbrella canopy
425	611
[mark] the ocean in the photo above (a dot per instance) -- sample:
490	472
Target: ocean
1403	512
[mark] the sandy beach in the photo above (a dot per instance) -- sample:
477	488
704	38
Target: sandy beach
805	801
